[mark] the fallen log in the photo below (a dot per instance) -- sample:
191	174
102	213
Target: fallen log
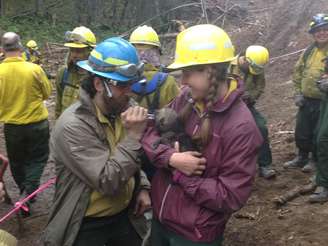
294	193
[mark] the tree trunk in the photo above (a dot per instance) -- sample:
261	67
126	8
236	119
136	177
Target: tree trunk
2	7
39	7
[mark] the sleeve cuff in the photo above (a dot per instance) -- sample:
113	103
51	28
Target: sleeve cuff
130	143
166	157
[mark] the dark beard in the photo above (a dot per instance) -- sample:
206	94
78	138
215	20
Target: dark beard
72	66
115	106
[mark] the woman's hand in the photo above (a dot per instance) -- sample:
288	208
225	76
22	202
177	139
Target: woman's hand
189	162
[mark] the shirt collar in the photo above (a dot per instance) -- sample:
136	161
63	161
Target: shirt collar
13	59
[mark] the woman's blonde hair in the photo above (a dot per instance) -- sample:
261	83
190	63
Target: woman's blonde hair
217	74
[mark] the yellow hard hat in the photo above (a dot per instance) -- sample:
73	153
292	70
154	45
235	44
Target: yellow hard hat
202	44
145	35
32	45
6	239
80	37
258	57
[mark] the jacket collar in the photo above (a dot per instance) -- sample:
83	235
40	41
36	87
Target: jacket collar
13	59
234	93
325	47
86	111
86	102
150	67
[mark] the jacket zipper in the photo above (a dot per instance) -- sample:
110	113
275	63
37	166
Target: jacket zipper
196	231
198	234
163	202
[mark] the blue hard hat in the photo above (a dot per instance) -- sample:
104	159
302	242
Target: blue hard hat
318	20
116	59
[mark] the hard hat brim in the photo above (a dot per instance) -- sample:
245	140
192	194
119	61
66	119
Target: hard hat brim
179	66
33	48
7	238
235	61
313	29
114	76
75	45
146	42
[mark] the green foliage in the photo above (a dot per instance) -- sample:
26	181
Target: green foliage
34	28
41	30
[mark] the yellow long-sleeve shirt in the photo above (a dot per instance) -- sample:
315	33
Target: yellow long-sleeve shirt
34	56
23	88
308	71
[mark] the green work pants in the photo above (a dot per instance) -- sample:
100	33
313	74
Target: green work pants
28	151
306	127
322	146
265	156
160	236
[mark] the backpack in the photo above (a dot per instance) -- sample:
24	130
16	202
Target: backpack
27	54
144	89
64	82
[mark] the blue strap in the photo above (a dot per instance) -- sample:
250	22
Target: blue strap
64	81
28	55
143	89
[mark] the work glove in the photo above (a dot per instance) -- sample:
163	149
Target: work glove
323	84
299	100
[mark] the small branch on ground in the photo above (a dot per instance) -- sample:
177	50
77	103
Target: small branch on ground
294	193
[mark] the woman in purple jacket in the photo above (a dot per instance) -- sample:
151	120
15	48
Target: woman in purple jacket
195	193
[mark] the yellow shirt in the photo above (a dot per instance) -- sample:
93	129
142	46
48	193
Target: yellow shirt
306	74
100	205
23	88
200	107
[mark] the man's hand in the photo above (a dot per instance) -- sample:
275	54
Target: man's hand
135	121
143	203
299	100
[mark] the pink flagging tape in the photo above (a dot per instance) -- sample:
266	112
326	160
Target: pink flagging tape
21	204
